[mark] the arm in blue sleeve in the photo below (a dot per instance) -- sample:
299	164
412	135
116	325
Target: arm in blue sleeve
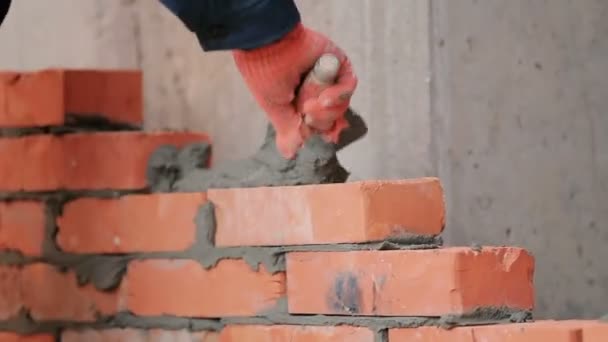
235	24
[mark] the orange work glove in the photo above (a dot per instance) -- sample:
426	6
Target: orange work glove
273	74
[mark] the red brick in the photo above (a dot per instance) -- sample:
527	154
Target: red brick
50	295
112	160
44	98
280	333
494	333
184	288
22	227
10	292
554	331
134	335
139	223
410	282
432	334
595	332
11	337
324	214
592	330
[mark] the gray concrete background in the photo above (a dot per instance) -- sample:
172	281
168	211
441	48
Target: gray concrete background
521	122
505	100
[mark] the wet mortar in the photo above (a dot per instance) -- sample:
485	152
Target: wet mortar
105	272
74	123
184	170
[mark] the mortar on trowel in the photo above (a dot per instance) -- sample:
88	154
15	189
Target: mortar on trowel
183	170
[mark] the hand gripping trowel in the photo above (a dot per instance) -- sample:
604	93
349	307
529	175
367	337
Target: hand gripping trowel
185	170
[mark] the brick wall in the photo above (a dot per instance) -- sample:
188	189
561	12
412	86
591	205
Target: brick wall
88	253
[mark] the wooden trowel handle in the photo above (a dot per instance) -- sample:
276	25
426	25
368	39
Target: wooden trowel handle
325	70
323	75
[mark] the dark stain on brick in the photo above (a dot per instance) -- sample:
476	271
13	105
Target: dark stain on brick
345	296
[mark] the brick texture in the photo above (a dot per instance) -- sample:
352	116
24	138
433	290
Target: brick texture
140	223
10	292
432	334
134	335
595	331
50	295
540	331
591	330
44	98
336	213
409	283
11	337
281	333
184	288
115	160
22	227
554	331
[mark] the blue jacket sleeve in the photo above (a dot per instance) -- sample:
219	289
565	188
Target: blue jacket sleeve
236	24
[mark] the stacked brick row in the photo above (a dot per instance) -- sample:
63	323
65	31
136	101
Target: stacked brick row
87	253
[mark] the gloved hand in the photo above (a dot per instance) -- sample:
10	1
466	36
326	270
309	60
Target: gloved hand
273	74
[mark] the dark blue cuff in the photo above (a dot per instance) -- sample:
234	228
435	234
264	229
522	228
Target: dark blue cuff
236	24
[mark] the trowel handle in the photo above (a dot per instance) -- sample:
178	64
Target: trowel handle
325	70
322	76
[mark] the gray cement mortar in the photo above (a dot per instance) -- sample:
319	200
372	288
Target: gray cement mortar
174	170
23	324
183	170
106	272
481	316
273	257
74	123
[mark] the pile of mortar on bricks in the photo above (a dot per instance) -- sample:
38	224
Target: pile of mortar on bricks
110	233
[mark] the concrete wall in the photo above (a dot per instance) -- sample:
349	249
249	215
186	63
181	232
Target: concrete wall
522	123
185	88
512	122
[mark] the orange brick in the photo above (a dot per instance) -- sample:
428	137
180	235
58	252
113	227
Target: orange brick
44	98
22	226
432	334
323	214
595	332
280	333
134	335
553	331
409	283
184	288
139	223
10	292
112	160
592	330
50	295
11	337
